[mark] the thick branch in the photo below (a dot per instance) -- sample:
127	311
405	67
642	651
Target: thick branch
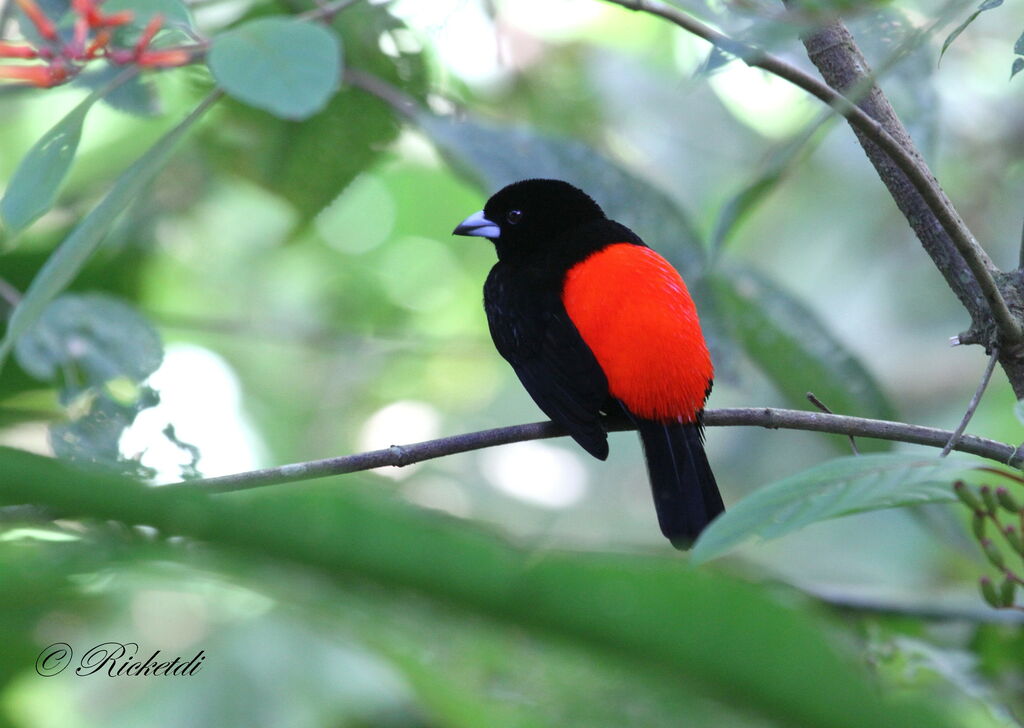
932	216
401	455
835	53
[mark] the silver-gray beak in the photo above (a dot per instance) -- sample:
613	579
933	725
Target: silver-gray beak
477	225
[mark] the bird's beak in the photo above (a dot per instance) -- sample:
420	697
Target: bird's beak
477	225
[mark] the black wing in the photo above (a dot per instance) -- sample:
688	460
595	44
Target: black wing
533	331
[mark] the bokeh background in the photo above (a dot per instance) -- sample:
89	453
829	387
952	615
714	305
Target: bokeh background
312	302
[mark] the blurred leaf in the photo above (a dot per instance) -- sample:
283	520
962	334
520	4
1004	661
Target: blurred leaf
98	351
456	661
135	96
174	12
65	262
985	5
495	156
1018	46
97	336
779	162
93	432
717	59
792	347
288	67
1017	67
839	487
33	187
176	29
354	129
722	636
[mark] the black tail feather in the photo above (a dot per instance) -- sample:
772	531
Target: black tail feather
685	494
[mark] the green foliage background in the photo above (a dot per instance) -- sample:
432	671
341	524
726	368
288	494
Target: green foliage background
299	272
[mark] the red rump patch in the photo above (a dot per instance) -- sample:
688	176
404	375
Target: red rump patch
633	310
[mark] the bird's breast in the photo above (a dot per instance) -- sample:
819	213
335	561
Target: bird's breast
634	312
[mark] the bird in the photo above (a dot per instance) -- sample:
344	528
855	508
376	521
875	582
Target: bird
597	324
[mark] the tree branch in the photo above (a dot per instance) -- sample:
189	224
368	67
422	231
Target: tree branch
401	455
900	152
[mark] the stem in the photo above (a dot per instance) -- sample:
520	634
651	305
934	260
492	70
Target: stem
401	455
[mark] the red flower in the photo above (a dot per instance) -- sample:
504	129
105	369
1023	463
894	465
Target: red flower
151	29
164	59
43	24
12	51
41	76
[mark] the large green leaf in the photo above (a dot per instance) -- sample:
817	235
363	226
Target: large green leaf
65	262
495	156
355	128
839	487
723	637
99	336
286	66
97	351
793	348
33	187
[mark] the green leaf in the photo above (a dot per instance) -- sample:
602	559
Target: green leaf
99	336
495	156
288	67
174	12
65	262
793	348
1017	67
722	637
839	487
986	5
1018	46
33	187
354	129
775	167
135	96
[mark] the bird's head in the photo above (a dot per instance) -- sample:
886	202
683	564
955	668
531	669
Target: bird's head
526	216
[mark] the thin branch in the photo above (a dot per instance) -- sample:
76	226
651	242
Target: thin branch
401	455
973	405
821	405
918	174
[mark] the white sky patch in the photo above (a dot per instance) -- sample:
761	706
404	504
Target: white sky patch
553	19
400	423
201	397
461	34
537	473
765	103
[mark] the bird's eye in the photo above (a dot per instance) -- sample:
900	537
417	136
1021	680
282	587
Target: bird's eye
514	216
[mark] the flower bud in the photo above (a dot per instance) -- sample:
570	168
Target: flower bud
966	495
988	592
988	499
1006	590
1007	501
978	525
992	552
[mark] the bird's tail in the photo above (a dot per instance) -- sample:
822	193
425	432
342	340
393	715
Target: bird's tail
686	496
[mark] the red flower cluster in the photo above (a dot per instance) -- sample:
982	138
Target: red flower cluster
90	38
